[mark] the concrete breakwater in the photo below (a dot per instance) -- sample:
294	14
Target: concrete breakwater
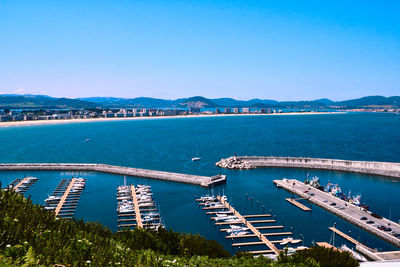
368	167
160	175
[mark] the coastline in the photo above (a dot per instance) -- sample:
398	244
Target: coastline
44	122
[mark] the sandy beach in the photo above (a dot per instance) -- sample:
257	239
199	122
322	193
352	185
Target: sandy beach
44	122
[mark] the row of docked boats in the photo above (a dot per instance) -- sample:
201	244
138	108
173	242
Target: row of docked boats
76	186
21	185
146	210
224	216
336	191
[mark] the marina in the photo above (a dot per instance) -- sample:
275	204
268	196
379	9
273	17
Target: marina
136	208
152	174
21	185
65	197
350	212
242	227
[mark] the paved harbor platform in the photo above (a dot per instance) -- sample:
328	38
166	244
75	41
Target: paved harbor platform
204	181
341	208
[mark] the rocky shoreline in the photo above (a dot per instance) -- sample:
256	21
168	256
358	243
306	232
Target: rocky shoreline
234	163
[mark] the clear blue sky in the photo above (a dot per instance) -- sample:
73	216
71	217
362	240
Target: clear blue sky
283	50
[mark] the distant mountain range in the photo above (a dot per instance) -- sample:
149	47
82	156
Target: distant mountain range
43	101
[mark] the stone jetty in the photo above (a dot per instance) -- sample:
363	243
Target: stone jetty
389	169
152	174
234	163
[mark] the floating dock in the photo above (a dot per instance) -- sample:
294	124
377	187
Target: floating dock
21	185
369	252
136	208
297	204
65	197
341	208
349	238
326	245
204	181
236	218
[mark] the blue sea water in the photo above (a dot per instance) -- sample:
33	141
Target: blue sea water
169	145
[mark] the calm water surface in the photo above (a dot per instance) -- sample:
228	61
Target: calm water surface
169	145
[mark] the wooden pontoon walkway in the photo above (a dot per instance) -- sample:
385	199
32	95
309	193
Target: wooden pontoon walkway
248	224
20	183
64	197
349	238
253	235
137	210
297	204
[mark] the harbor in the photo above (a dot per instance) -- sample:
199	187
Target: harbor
145	173
247	227
375	224
65	197
137	208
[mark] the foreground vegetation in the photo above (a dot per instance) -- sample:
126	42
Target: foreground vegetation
31	236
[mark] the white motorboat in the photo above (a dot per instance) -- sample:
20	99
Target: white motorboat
52	198
196	159
286	241
236	233
125	210
208	198
240	229
226	218
233	220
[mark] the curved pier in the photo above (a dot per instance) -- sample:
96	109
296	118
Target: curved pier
389	169
160	175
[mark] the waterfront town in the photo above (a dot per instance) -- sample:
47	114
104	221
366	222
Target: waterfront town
7	115
66	114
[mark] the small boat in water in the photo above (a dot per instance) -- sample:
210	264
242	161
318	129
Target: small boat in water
288	240
52	198
238	233
225	218
196	159
235	229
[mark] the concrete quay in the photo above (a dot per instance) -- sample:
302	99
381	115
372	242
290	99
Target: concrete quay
389	169
152	174
341	208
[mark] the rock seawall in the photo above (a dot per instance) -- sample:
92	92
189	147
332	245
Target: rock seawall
367	167
234	163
